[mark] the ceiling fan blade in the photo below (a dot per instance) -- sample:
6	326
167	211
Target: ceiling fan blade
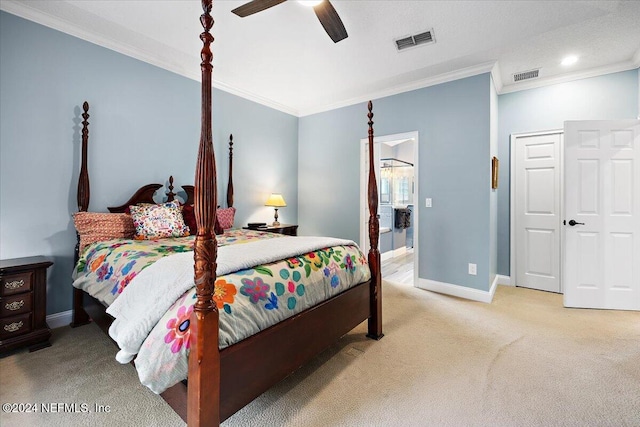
330	21
255	6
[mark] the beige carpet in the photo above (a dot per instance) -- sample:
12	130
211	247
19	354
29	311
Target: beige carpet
521	361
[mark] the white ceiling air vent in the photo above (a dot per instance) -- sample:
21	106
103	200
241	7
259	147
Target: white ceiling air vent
415	40
526	75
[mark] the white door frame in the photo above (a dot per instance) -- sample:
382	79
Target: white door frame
512	198
364	156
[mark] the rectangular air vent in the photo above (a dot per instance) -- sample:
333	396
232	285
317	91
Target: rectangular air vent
425	37
415	40
405	43
526	75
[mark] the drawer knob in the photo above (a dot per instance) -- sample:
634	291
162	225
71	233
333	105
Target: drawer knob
13	306
12	327
15	284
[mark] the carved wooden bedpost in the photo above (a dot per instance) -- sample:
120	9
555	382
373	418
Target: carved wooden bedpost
203	401
375	321
84	192
80	317
170	194
230	182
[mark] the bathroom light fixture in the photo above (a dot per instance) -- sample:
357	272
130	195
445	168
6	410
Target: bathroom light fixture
569	60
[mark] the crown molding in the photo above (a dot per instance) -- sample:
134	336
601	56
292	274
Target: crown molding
497	77
636	58
579	75
402	88
255	98
23	10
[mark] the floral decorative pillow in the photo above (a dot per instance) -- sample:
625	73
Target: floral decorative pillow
96	227
225	217
158	221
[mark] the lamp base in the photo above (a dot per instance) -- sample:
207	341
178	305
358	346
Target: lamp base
275	219
275	224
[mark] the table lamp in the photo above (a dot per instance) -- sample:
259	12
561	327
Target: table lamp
277	201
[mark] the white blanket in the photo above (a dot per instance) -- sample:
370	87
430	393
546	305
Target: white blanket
152	292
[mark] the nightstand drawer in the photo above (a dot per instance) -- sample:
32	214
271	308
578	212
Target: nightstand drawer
16	283
16	325
23	303
287	229
18	304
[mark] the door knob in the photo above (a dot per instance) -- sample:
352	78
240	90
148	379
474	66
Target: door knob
572	223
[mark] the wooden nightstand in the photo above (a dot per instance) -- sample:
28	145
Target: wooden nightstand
288	229
23	303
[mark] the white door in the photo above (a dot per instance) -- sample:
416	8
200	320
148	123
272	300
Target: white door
537	210
602	197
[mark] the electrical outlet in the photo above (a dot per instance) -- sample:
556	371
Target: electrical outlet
473	269
427	202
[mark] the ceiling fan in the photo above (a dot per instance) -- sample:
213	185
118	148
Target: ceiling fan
324	11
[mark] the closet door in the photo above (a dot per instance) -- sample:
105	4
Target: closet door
537	210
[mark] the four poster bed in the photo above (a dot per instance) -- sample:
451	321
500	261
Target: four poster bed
225	374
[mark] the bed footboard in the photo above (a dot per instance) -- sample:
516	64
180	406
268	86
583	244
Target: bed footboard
283	348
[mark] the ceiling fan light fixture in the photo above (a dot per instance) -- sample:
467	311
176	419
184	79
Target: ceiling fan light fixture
569	60
310	3
324	10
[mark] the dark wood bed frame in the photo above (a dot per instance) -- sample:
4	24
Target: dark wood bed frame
220	382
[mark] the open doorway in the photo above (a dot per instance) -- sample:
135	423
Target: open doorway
396	162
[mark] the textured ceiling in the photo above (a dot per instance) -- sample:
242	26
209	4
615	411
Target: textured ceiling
283	58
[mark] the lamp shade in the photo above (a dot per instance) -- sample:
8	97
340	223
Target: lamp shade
276	200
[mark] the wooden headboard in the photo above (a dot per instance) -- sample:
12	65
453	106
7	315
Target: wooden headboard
145	193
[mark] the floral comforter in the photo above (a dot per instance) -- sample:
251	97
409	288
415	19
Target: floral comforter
106	268
248	300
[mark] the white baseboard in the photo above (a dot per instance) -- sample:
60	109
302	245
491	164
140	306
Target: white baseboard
393	253
504	280
400	251
459	291
58	320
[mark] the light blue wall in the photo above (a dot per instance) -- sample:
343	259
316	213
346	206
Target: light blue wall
145	119
144	126
612	96
454	169
265	152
